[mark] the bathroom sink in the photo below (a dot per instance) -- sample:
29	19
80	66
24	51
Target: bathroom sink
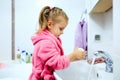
81	70
101	73
78	70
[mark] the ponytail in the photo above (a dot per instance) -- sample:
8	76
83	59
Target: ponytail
43	18
48	13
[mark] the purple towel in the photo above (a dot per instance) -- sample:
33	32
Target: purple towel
81	35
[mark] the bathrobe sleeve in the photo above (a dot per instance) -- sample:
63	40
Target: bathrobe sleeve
50	53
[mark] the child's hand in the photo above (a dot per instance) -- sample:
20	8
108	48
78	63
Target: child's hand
97	60
78	54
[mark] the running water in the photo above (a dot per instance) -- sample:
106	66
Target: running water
91	67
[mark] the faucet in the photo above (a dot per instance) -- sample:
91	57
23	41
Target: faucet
108	60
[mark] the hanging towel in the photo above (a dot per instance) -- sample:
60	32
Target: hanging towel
81	35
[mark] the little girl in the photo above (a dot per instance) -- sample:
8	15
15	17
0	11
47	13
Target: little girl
48	54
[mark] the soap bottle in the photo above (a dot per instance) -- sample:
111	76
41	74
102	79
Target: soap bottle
31	58
23	56
27	58
18	55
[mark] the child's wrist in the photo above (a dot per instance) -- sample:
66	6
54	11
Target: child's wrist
71	57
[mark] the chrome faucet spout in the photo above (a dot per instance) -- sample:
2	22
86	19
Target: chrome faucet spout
108	60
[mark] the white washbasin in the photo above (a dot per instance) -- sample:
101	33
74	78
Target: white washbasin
76	71
102	74
81	70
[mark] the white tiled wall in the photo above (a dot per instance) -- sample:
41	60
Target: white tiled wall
116	70
116	29
5	30
101	24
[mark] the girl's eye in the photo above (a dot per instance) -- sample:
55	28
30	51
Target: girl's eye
61	28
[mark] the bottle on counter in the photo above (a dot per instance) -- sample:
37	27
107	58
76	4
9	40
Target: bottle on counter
18	55
31	58
27	58
23	56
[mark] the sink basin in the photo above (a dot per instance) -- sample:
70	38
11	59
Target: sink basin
81	70
101	73
78	70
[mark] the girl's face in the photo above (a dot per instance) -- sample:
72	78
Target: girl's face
58	27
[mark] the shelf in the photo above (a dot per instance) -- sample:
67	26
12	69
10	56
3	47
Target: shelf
102	6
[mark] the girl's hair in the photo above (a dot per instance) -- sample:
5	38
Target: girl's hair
48	13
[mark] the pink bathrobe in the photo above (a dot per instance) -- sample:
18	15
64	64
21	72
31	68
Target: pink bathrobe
48	56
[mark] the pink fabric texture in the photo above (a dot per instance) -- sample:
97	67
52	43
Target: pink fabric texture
48	56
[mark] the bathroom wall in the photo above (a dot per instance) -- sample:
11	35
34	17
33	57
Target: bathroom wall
116	32
5	30
116	29
26	16
100	24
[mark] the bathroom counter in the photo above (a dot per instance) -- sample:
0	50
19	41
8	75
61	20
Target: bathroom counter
12	70
15	71
76	71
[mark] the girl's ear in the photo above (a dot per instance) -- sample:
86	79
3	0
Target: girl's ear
49	24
